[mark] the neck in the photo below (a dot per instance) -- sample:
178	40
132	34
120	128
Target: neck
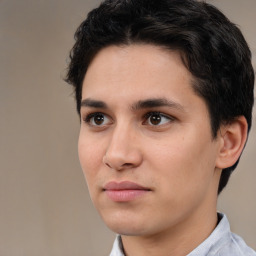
177	241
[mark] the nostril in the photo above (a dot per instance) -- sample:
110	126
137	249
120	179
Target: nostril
127	165
117	166
108	165
118	160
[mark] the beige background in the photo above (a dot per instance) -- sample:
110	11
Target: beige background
45	208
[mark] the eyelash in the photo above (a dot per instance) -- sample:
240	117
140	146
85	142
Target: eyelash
88	117
150	114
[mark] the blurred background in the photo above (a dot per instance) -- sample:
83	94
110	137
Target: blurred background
45	208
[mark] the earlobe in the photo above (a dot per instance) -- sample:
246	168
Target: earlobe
233	137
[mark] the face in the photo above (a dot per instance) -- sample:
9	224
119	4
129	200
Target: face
145	143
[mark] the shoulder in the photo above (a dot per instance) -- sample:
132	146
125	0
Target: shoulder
222	242
236	247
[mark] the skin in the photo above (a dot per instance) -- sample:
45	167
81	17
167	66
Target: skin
175	158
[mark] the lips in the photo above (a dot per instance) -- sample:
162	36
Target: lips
124	191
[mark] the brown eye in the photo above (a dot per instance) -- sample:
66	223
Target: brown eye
98	119
155	119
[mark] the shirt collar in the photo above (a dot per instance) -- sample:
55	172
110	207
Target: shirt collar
219	235
117	249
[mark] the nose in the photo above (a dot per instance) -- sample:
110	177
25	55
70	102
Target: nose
123	151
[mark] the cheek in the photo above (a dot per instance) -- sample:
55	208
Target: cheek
90	156
182	162
182	177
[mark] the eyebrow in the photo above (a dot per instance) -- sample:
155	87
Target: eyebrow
156	102
93	103
141	104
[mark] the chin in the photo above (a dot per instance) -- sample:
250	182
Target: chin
127	230
125	225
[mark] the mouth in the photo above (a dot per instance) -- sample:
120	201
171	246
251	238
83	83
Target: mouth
124	191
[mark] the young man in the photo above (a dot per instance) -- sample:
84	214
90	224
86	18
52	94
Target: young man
164	90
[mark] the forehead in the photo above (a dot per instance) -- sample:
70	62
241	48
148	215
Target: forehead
139	67
124	77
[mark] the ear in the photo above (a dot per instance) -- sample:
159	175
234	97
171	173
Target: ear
233	137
